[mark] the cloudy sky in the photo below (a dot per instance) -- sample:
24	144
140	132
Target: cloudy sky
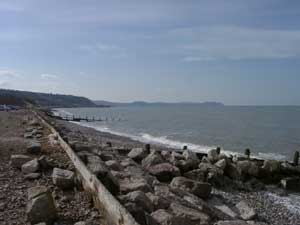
233	51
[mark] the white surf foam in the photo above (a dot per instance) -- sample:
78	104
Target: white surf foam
58	111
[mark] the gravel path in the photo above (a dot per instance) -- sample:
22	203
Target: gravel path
73	206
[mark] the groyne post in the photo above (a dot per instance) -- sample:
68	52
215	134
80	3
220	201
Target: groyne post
148	147
185	147
248	152
218	150
296	158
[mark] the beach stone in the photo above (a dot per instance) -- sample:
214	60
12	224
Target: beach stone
18	160
80	223
191	156
138	213
114	165
221	164
28	135
158	202
32	176
245	211
166	155
200	189
63	178
129	185
41	206
44	164
226	210
34	123
41	223
197	175
164	171
31	166
99	168
139	198
291	183
272	166
186	165
191	215
246	167
34	147
232	171
152	159
137	154
213	155
163	217
232	222
175	156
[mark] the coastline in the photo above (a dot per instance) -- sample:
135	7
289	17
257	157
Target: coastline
271	203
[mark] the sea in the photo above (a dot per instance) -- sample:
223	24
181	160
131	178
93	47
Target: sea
270	132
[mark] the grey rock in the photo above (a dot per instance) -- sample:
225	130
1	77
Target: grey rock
129	185
191	156
213	156
152	159
245	211
291	183
197	175
30	167
163	217
18	160
164	171
63	178
228	211
192	216
32	176
34	147
200	189
80	223
139	198
114	165
232	222
272	166
41	206
137	154
221	164
158	202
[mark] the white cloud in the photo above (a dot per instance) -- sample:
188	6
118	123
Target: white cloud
8	73
49	76
235	43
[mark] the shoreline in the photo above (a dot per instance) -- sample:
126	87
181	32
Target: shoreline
278	210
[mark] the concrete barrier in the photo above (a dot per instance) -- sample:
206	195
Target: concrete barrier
114	213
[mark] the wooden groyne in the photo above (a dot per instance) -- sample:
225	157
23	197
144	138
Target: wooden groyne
114	212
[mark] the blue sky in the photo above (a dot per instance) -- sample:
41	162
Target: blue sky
233	51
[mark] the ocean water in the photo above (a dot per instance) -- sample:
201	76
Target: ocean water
271	132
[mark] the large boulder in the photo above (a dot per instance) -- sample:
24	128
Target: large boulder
138	154
191	215
40	206
221	164
139	198
245	211
232	171
213	155
191	156
164	172
158	202
200	189
31	166
129	185
152	159
34	147
291	183
99	168
163	217
114	165
63	178
246	168
272	166
18	160
197	175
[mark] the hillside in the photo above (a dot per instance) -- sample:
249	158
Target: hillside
142	103
13	97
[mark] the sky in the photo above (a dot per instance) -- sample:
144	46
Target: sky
238	52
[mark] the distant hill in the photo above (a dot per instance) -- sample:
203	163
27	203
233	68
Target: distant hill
142	103
13	97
